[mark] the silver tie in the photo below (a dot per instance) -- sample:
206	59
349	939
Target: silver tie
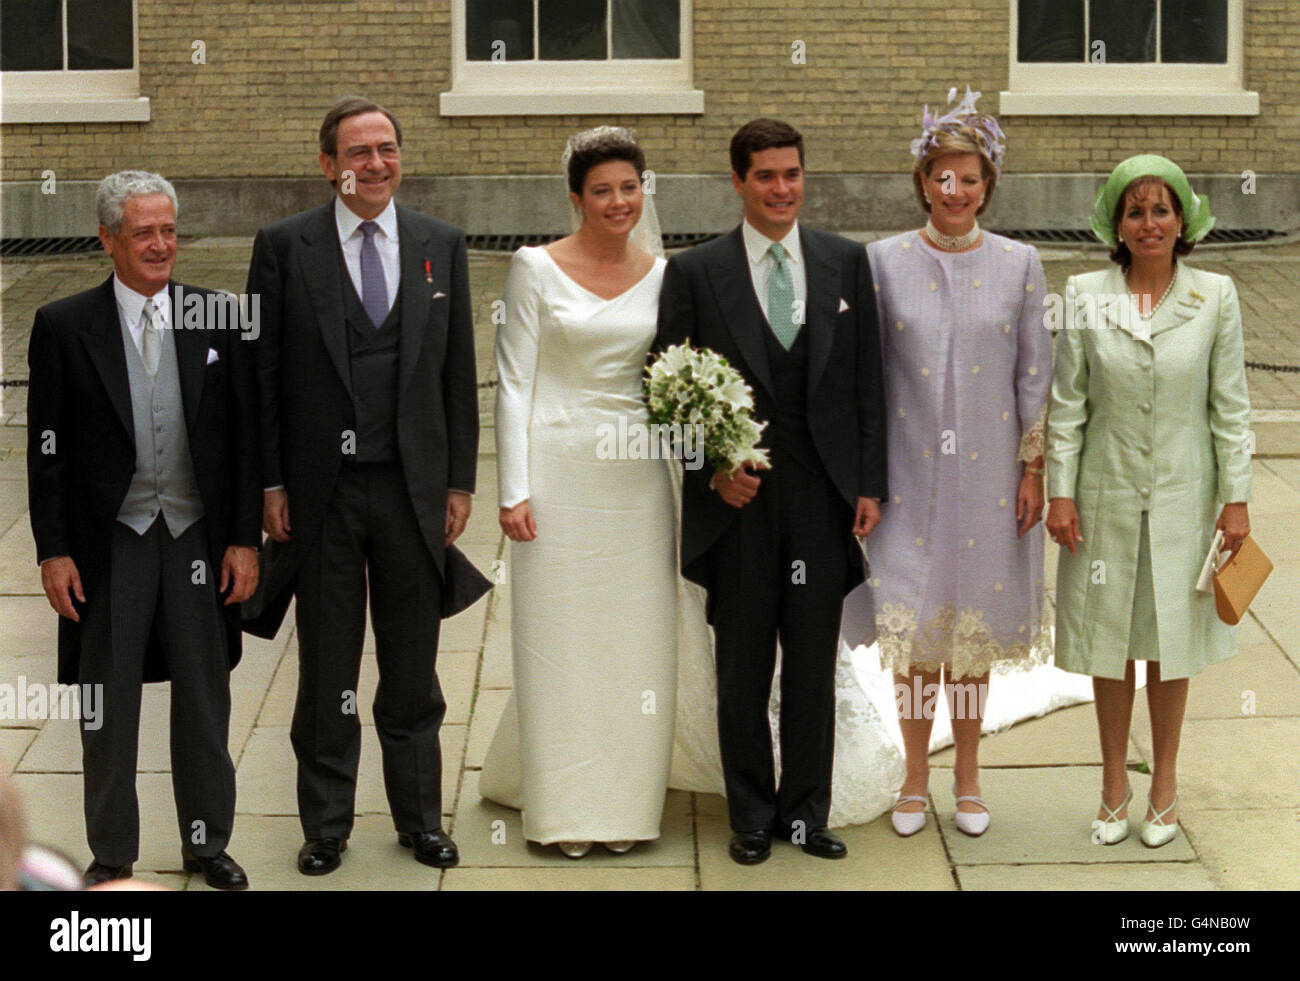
151	342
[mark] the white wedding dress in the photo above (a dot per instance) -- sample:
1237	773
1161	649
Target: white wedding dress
615	686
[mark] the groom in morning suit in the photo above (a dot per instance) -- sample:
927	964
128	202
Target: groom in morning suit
369	442
142	472
794	311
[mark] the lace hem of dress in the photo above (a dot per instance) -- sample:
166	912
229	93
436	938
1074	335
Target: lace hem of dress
963	642
1031	443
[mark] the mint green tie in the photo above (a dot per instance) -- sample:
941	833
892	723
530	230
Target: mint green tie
780	298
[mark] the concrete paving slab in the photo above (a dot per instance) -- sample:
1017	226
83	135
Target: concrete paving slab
491	836
1258	681
1238	764
1043	815
1277	609
1066	877
30	627
457	673
26	668
13	744
1247	849
1288	468
464	631
498	658
1066	737
18	569
877	859
487	713
277	707
581	878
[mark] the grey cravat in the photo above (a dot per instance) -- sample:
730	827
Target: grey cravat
780	298
151	340
374	289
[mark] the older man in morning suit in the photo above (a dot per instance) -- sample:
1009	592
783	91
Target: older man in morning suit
370	441
145	502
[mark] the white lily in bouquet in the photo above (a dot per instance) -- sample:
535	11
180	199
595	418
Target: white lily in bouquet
696	394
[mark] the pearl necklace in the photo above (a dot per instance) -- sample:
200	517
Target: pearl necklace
1168	289
952	243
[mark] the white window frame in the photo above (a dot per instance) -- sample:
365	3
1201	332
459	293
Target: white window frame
1085	89
554	88
65	96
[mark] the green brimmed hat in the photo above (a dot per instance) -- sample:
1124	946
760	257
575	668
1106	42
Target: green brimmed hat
1197	220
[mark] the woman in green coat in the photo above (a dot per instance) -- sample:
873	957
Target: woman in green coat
1146	437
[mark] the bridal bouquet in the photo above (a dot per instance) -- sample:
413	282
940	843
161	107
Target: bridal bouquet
697	395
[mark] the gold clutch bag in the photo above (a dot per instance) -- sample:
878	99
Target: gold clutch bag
1237	582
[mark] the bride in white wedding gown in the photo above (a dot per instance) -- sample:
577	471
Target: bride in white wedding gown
585	767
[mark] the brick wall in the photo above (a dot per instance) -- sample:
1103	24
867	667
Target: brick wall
272	68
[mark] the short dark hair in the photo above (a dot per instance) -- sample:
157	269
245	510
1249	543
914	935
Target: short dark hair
350	105
602	150
1120	253
762	134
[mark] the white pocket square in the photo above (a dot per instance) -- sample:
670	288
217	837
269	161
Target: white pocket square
213	355
437	296
843	306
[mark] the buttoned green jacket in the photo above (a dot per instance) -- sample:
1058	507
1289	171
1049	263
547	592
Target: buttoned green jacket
1145	416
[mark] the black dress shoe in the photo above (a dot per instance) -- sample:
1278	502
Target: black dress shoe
823	844
751	847
431	847
319	856
219	871
98	873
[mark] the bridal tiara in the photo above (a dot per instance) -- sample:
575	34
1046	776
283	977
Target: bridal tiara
589	137
988	133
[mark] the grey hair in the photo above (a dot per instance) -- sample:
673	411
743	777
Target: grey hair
116	189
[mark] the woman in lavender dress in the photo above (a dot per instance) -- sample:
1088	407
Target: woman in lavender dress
956	580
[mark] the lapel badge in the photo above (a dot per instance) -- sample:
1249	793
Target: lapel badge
428	272
1196	296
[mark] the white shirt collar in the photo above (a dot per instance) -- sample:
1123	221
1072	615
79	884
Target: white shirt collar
348	221
757	244
131	305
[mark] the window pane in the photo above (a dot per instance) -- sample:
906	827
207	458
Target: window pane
1194	30
99	34
499	25
571	30
1050	30
31	35
1128	28
647	29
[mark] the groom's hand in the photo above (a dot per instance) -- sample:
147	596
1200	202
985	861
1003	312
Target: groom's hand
868	516
738	488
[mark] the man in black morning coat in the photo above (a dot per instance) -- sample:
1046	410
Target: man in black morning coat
143	476
794	311
369	414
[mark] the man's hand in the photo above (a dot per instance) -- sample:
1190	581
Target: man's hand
738	488
517	522
868	516
239	573
275	514
59	576
1063	523
458	506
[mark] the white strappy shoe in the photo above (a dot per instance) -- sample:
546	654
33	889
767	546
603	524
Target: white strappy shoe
1113	829
908	823
971	823
1155	832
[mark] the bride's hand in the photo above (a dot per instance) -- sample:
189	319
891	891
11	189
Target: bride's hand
517	522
